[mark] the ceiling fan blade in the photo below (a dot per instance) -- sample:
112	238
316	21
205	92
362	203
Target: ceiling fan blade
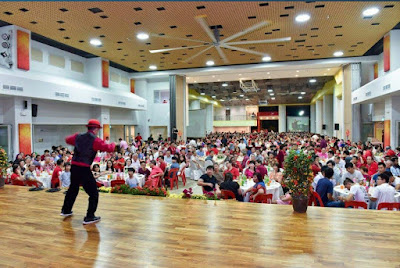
243	50
222	54
266	41
202	21
246	31
172	49
178	38
197	54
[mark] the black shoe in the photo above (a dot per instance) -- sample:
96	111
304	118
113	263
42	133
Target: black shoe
66	214
89	220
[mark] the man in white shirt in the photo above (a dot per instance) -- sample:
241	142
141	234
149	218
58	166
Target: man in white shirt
340	163
357	192
135	162
241	145
393	181
168	157
352	174
383	193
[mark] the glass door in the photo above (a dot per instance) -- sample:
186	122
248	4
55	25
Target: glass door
5	139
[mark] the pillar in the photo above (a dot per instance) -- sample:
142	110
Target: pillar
282	118
312	118
194	105
142	116
318	116
327	118
392	121
209	117
177	106
103	115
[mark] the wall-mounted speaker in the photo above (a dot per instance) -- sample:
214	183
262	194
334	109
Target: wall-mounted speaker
34	110
336	126
25	104
323	127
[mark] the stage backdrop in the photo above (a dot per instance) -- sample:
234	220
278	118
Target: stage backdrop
297	123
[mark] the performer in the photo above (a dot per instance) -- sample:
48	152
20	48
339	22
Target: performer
86	147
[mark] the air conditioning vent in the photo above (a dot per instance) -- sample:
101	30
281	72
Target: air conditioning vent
6	87
20	88
263	102
62	95
96	99
13	88
122	103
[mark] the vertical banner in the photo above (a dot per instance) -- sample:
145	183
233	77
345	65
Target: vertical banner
106	131
25	138
386	134
133	86
375	70
386	53
105	73
22	50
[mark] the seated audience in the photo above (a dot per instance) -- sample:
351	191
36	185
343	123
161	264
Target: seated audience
383	193
143	170
132	181
352	173
258	188
325	190
232	186
208	181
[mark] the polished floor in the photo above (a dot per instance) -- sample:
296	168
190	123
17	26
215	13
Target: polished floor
166	232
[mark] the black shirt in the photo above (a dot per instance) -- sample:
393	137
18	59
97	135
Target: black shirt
207	179
231	186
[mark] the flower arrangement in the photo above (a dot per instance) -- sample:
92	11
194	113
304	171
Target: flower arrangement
104	189
187	193
3	161
151	191
297	173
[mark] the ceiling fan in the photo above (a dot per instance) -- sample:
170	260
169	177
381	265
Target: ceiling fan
288	93
219	44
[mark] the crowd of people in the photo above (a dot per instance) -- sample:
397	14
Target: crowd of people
217	161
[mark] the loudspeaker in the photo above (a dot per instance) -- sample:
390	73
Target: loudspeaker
25	104
336	126
34	110
323	127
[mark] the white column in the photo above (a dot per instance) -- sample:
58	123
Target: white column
209	117
142	116
103	115
318	116
337	117
312	118
356	108
327	118
392	113
282	118
194	105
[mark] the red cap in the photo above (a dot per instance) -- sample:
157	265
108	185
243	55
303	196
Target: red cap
94	123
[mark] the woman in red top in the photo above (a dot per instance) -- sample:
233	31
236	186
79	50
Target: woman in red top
316	167
16	177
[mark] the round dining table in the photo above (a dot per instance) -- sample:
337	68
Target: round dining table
45	178
274	188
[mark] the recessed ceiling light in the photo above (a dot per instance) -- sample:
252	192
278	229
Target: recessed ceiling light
266	58
312	80
142	36
338	54
297	71
210	63
195	81
240	74
324	73
247	99
301	113
241	95
268	72
303	93
202	93
300	97
224	84
219	80
297	75
152	67
272	94
213	76
270	90
222	100
302	17
329	69
370	12
95	42
213	96
273	98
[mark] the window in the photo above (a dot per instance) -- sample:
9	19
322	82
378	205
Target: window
161	96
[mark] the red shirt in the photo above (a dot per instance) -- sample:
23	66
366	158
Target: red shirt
372	169
162	165
56	175
315	169
119	164
215	150
139	138
14	180
234	171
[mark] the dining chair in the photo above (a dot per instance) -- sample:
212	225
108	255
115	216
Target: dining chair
389	206
263	198
356	204
315	200
226	194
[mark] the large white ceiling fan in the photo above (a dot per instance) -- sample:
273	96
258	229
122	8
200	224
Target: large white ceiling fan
225	43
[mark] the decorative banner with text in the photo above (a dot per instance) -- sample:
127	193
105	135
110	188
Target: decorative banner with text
25	138
22	50
105	66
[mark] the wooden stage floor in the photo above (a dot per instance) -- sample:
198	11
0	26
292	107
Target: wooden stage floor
165	232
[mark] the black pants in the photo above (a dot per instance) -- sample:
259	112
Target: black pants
81	175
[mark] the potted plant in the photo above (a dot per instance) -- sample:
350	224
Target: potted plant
3	166
298	179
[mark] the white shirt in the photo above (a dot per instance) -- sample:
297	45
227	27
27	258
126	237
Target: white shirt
341	163
168	159
358	192
136	164
356	176
384	193
242	146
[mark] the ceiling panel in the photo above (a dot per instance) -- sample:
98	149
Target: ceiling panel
333	26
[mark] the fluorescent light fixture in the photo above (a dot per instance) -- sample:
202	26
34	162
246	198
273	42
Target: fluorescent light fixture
300	97
324	73
210	63
370	12
302	17
195	81
228	108
153	67
241	95
202	93
301	113
142	36
297	71
213	76
247	99
213	96
268	72
273	98
266	58
338	54
240	74
219	80
312	80
270	90
329	69
224	84
297	75
272	94
95	42
222	100
303	93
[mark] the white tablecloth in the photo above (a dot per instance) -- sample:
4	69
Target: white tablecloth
344	192
45	179
274	188
107	183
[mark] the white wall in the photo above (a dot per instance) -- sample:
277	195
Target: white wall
46	136
197	124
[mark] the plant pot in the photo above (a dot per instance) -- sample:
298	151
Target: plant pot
2	180
300	203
